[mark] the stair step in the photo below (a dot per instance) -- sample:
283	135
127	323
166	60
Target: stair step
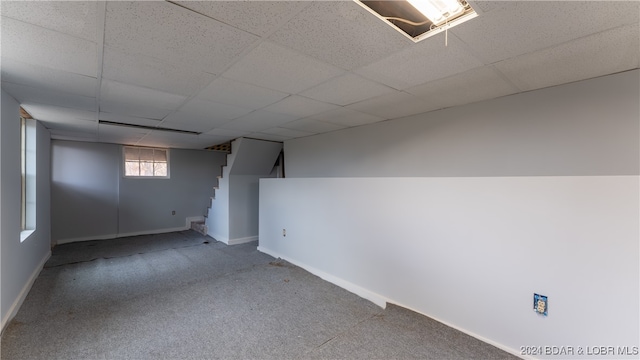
199	226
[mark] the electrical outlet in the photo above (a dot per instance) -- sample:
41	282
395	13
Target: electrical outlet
173	212
540	304
284	232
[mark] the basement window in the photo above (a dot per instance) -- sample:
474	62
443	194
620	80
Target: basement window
143	162
420	19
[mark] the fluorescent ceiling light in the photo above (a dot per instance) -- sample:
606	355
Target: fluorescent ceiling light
420	19
438	11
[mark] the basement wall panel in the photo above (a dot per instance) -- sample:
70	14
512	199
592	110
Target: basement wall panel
21	261
463	214
92	200
589	127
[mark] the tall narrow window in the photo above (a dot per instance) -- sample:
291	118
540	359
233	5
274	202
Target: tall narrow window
28	177
23	172
146	162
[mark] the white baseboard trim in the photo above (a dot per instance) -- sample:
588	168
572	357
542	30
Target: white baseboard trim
381	300
156	231
481	338
13	310
351	287
243	240
222	239
85	238
193	218
186	226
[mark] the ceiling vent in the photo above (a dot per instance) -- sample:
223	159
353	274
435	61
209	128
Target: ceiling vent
157	128
420	19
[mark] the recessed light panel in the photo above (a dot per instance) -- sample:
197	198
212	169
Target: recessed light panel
420	19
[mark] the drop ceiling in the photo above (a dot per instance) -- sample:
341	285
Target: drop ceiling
278	70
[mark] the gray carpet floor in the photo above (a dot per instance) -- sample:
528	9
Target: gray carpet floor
185	296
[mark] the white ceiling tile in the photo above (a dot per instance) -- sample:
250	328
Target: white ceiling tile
199	143
600	54
299	106
227	133
227	91
168	139
528	26
126	131
202	120
286	132
213	111
257	17
128	119
346	117
149	72
187	125
340	33
61	134
269	137
177	35
51	49
259	120
56	114
282	69
482	7
64	119
471	86
116	93
206	140
260	68
90	128
118	139
108	129
29	94
393	106
312	126
75	18
346	89
133	110
22	73
427	60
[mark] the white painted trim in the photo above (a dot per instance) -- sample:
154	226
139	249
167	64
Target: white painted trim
381	300
353	288
86	238
192	218
243	240
187	226
151	232
24	234
481	338
220	238
13	310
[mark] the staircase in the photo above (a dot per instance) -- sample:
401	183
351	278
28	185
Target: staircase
232	214
199	226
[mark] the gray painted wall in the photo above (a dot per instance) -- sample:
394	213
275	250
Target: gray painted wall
243	205
471	251
146	204
584	128
21	262
92	200
84	195
462	214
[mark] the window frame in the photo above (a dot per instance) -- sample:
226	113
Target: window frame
28	173
124	162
